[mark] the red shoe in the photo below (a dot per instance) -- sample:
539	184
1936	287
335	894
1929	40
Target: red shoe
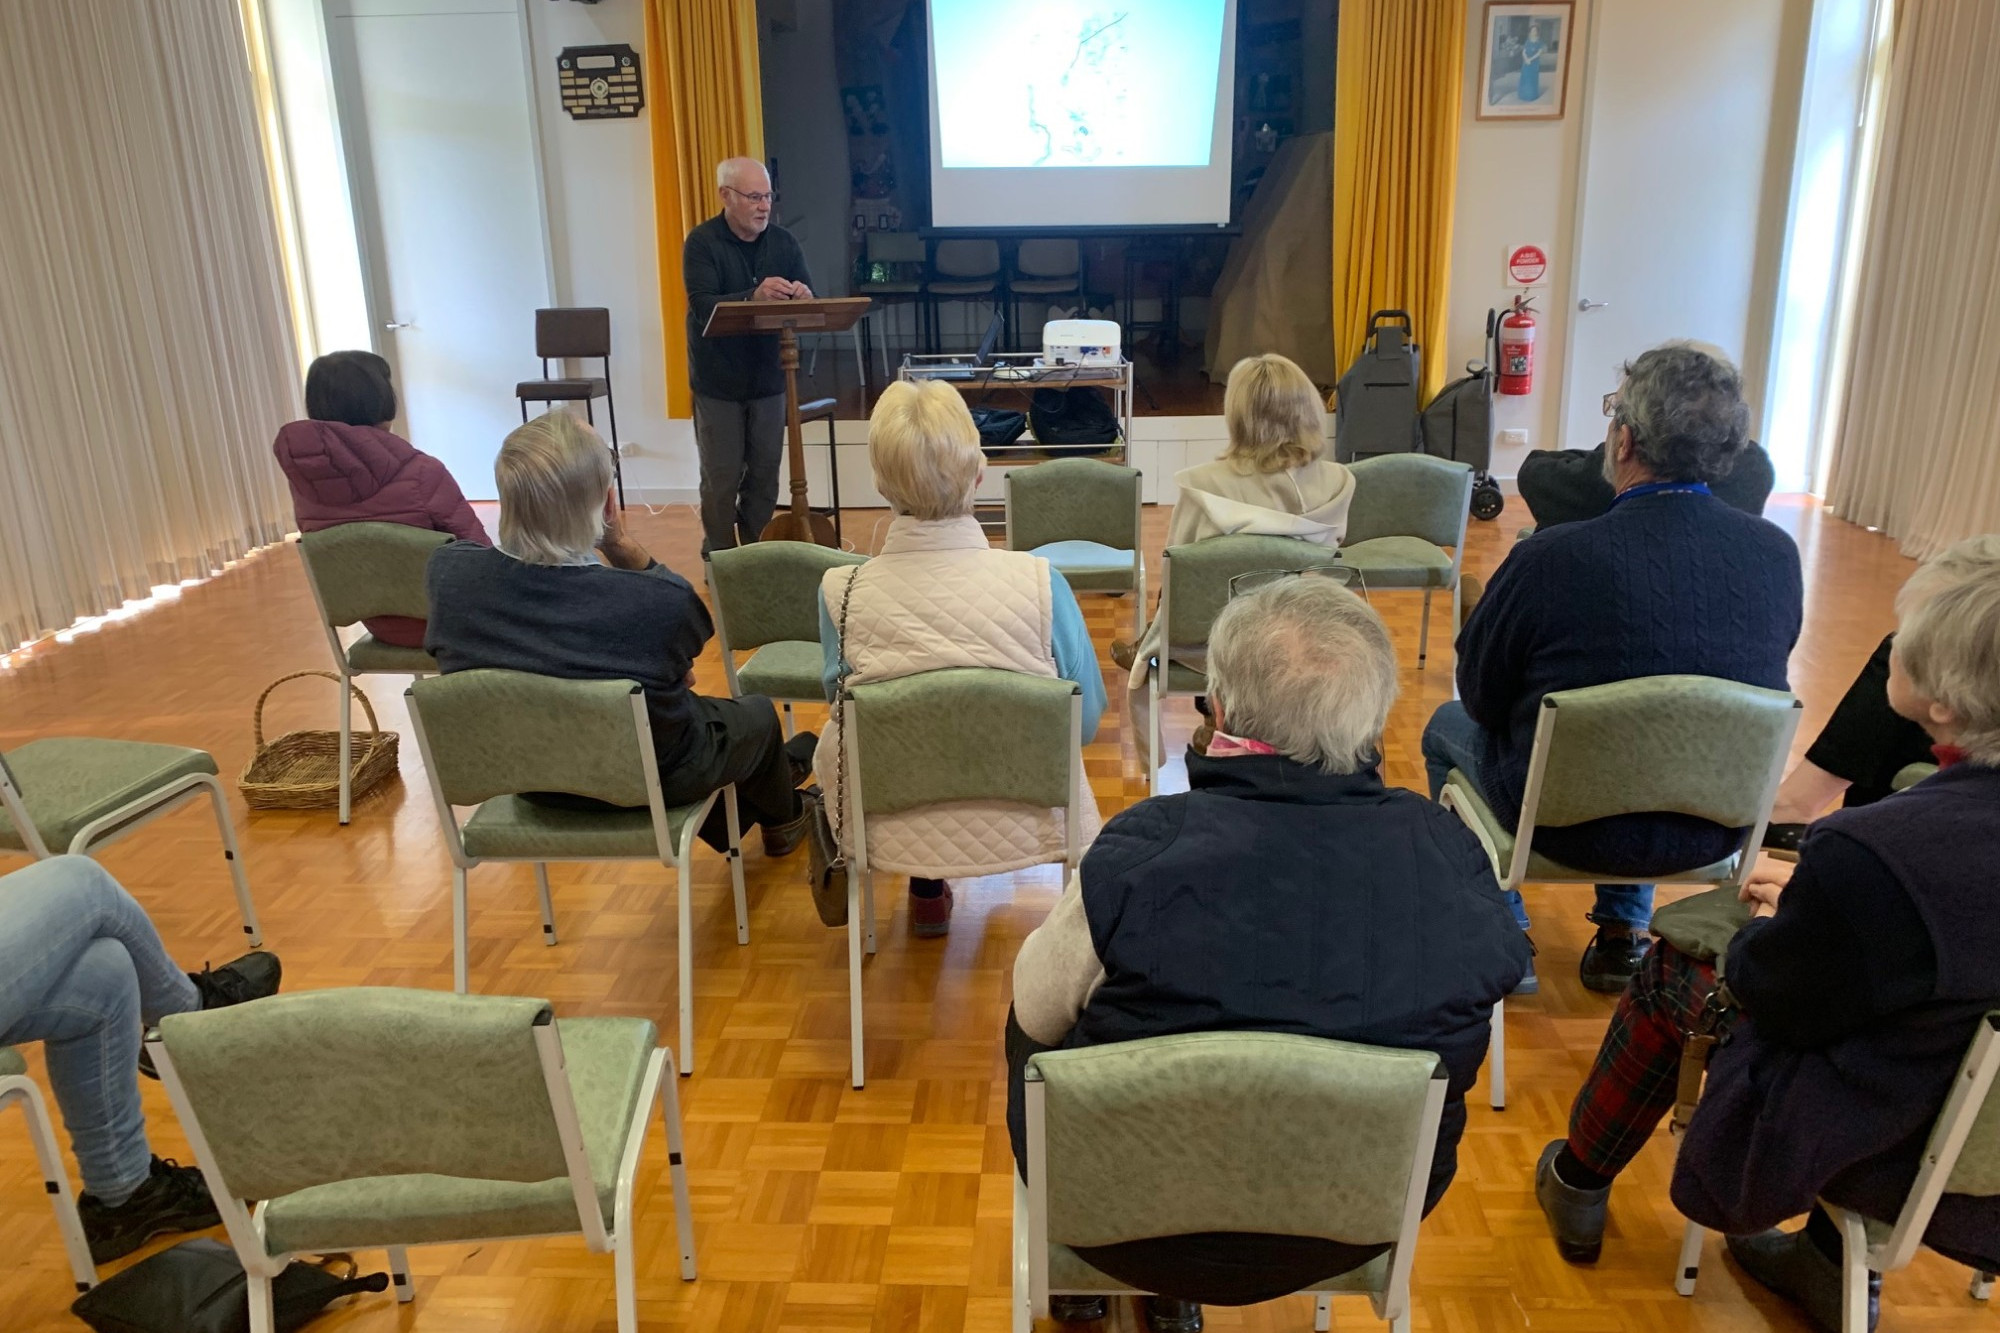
930	916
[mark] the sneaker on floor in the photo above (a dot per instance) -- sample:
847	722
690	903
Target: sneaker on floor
1612	958
174	1198
1790	1265
1165	1315
799	757
1576	1216
930	913
1077	1309
782	840
251	977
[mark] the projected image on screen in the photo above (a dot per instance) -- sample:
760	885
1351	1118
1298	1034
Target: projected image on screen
1076	83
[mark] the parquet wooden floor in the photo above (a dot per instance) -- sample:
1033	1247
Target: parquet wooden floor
820	1209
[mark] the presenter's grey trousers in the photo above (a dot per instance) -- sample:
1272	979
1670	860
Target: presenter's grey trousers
739	445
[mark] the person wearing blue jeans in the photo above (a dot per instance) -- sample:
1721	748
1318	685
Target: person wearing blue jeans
83	972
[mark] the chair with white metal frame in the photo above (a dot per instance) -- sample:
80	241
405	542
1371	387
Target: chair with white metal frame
488	736
1082	515
958	734
1691	745
358	571
1407	508
1225	1132
421	1118
765	601
75	794
1962	1156
17	1088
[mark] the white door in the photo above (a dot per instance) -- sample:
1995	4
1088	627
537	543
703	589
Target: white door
1672	184
436	114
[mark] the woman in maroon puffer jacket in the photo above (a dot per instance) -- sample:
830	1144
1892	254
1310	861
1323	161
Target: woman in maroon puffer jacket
344	467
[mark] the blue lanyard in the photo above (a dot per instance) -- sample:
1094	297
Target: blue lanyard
1663	488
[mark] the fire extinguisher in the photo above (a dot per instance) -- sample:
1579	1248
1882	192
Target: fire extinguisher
1517	348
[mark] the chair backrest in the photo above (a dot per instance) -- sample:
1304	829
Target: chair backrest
494	733
895	247
1962	1155
964	734
1909	775
768	592
1694	745
1410	495
316	1087
566	331
1049	257
359	570
11	1063
1073	499
1196	578
1260	1132
967	259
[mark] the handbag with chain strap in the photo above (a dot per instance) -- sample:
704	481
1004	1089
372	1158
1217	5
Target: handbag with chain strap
827	863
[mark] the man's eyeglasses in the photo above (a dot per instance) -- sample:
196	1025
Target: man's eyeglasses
1611	403
760	197
1347	576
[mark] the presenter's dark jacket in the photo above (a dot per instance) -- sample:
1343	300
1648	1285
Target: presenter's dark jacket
1667	582
718	266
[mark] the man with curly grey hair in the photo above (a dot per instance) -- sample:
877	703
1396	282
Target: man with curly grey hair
1668	581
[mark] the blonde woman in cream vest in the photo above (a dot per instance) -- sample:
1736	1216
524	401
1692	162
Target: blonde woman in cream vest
939	595
1271	481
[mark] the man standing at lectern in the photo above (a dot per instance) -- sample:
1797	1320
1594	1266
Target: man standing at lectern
739	387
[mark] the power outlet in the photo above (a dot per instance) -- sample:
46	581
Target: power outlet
1514	439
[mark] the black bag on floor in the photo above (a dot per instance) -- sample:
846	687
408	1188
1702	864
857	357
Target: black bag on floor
1076	415
1458	424
199	1287
998	426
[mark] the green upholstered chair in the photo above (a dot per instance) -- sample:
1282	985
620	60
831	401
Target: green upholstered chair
489	736
419	1118
16	1088
1194	587
1225	1131
1692	745
75	794
1407	508
765	597
359	571
961	734
1962	1156
1082	516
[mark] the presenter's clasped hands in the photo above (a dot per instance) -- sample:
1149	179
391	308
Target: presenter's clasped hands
781	289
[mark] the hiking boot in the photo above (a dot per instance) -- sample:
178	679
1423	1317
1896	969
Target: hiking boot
1166	1315
1576	1216
251	977
1612	959
1124	652
174	1198
930	913
781	840
1790	1265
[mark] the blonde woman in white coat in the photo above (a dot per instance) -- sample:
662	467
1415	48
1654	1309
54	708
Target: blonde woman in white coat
1272	481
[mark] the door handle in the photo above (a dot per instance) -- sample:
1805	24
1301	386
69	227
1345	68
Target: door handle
1586	304
405	324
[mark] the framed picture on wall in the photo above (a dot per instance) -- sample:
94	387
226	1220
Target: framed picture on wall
1524	64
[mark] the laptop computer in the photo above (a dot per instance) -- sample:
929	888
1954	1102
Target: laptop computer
976	368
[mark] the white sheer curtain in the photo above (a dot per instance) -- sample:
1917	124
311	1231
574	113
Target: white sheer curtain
1918	451
146	354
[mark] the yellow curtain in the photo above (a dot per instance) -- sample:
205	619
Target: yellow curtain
708	105
1397	83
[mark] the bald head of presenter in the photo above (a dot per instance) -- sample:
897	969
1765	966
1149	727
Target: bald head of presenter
740	254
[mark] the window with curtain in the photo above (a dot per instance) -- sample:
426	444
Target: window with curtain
146	347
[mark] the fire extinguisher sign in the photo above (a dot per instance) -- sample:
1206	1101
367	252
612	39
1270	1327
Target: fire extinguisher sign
1527	266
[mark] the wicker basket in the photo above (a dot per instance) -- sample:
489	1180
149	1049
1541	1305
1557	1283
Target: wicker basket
301	769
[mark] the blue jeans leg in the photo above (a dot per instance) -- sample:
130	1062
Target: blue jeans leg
1453	740
81	968
1624	905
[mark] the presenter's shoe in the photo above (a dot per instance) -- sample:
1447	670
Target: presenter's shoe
930	908
784	839
1164	1315
251	977
1789	1264
1612	959
1077	1309
174	1198
1576	1217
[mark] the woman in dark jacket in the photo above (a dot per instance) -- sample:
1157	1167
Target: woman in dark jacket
345	466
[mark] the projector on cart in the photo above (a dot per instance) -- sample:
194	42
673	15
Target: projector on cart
1081	342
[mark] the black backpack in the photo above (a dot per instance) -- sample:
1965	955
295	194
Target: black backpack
998	426
198	1286
1376	410
1076	415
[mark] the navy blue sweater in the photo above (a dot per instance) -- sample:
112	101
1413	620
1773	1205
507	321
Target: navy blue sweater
1666	583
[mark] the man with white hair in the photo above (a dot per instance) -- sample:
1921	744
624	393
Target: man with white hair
739	387
1288	891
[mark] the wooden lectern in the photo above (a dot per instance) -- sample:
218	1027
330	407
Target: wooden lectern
732	319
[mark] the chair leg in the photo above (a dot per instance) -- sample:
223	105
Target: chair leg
1024	1297
670	1115
611	411
1322	1313
458	942
346	751
868	908
1982	1285
684	947
548	904
1496	1058
1689	1266
1853	1272
1424	632
1153	746
54	1179
399	1275
231	854
625	1281
263	1319
854	971
736	864
1401	1323
786	710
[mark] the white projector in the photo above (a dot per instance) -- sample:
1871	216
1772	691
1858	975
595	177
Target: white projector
1080	342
